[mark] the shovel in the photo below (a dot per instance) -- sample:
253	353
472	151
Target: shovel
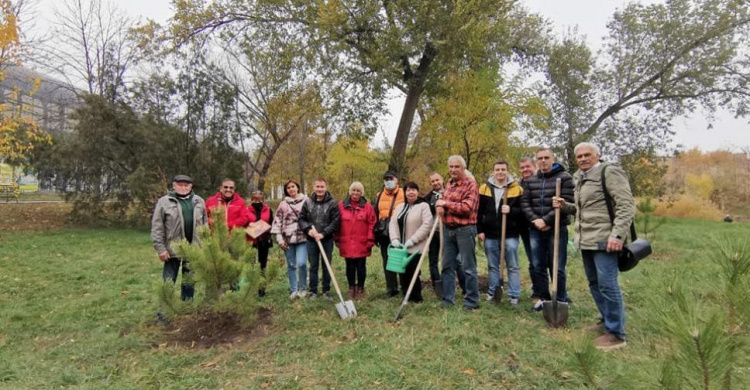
416	273
498	297
438	286
344	308
555	313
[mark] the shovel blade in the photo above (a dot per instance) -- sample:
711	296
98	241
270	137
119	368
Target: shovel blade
498	297
346	310
555	313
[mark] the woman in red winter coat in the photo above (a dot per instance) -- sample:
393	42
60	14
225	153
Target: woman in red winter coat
355	238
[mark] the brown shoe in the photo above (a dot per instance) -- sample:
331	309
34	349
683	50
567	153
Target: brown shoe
609	342
598	328
351	293
360	293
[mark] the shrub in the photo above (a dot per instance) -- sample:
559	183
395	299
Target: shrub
689	206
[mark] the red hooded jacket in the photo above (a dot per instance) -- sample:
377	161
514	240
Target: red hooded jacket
237	215
355	237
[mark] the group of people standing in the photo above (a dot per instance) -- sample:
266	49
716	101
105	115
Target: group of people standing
398	217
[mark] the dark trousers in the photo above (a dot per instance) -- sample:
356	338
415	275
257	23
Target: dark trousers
391	278
314	258
356	272
171	268
416	292
524	233
263	247
434	255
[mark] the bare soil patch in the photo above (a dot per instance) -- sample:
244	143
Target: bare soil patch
34	216
209	329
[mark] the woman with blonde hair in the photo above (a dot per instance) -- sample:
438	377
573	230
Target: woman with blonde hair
355	237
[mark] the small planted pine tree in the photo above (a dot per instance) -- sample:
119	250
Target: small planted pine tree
703	353
733	255
645	219
224	269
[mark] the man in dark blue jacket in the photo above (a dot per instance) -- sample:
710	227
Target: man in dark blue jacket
536	204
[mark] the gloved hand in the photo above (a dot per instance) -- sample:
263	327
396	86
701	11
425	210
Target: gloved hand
396	243
409	243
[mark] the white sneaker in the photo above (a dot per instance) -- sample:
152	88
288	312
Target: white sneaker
301	293
514	301
294	295
490	297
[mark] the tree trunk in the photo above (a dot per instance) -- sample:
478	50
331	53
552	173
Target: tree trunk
404	126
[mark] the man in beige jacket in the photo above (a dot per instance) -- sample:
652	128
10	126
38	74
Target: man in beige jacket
600	238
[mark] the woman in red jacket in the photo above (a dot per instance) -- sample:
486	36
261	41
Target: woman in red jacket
355	237
259	210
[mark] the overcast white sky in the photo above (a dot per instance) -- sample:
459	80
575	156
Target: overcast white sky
589	15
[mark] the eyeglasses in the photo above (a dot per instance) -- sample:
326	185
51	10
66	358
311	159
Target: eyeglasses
228	187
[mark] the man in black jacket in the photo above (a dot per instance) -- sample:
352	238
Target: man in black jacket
536	204
322	212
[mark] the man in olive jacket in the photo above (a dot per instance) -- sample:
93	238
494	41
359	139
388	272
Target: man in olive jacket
177	215
600	238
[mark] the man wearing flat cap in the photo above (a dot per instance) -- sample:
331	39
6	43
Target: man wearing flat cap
177	215
385	202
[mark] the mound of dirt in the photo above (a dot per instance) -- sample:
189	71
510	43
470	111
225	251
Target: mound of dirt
34	216
208	329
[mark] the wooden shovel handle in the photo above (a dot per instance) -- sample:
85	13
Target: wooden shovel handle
556	250
503	224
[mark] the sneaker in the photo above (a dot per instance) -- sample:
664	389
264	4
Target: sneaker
538	305
301	293
312	296
327	296
490	297
609	342
513	301
293	295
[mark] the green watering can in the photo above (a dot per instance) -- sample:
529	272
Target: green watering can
398	258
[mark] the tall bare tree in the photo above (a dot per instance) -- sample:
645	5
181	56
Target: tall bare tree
90	46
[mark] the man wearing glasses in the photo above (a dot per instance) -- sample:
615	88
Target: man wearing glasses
536	204
177	215
236	213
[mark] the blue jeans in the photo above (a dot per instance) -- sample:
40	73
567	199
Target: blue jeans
314	256
511	263
171	268
296	262
601	271
492	249
460	240
542	251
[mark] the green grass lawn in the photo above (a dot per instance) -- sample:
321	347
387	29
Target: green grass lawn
77	310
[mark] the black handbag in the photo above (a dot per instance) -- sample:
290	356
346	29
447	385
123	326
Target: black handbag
637	249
